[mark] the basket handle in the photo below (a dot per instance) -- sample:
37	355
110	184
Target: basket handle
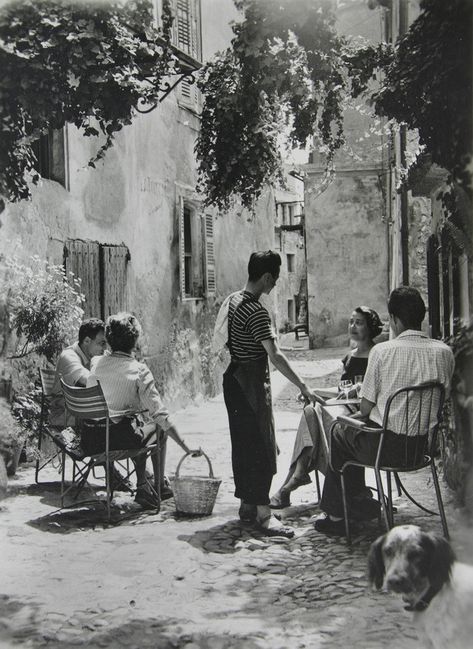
211	473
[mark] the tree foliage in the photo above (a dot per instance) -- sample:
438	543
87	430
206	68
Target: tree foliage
287	65
44	304
428	84
88	63
282	69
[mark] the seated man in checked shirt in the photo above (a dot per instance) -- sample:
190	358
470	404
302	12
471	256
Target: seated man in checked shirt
411	358
128	387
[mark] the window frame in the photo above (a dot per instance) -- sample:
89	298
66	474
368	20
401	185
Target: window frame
200	250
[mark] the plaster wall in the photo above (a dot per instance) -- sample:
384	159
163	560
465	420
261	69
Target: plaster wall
345	214
346	254
131	198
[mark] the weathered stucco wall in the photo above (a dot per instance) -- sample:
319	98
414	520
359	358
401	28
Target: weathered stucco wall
346	254
131	198
420	229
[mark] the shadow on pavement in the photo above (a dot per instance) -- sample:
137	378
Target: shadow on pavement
25	623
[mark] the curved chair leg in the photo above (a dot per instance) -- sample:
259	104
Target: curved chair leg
390	498
379	484
345	508
398	484
439	500
317	484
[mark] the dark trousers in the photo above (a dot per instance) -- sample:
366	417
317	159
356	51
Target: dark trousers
252	472
352	444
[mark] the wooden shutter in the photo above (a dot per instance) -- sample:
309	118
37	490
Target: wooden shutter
186	37
209	254
182	256
82	259
114	267
186	27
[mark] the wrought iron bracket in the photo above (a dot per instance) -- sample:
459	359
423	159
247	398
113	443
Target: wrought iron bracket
166	88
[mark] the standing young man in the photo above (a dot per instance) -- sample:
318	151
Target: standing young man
247	392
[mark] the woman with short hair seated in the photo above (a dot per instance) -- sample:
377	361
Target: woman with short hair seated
129	387
311	446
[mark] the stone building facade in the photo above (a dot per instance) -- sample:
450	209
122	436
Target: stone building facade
135	230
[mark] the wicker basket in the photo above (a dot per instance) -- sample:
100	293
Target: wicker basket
195	494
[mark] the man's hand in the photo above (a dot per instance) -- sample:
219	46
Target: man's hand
310	396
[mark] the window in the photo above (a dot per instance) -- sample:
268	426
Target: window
103	273
197	259
186	36
290	263
49	150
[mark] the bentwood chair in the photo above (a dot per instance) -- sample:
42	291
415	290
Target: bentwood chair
420	408
90	404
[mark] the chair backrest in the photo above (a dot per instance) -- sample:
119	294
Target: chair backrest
85	403
415	411
47	380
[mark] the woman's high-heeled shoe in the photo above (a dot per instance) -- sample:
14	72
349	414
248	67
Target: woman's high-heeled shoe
280	500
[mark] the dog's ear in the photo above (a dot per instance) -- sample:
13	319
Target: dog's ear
441	559
376	563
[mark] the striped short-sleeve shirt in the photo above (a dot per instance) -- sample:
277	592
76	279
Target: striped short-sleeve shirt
249	324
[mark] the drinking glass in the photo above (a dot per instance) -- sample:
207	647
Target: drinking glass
345	387
358	382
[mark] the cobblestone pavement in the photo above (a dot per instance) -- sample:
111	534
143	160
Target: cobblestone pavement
165	581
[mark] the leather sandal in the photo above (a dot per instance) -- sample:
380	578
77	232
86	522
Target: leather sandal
279	530
280	500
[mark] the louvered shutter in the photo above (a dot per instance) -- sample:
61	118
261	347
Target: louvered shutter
82	259
114	263
186	37
182	256
209	254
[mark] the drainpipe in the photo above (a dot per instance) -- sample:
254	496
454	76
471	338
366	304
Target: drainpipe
403	24
404	213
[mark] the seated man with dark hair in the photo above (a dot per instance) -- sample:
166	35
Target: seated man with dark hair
73	366
410	358
129	387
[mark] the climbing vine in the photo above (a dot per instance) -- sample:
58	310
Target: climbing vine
89	63
282	71
288	69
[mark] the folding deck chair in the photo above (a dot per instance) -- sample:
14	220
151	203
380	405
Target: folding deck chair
63	447
89	403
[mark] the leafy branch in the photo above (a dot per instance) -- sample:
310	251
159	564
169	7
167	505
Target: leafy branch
69	61
281	72
44	304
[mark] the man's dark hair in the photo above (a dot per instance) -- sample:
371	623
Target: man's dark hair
407	304
90	328
262	262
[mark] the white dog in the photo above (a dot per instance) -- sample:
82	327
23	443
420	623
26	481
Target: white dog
437	588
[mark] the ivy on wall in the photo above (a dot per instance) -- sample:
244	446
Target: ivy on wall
89	63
